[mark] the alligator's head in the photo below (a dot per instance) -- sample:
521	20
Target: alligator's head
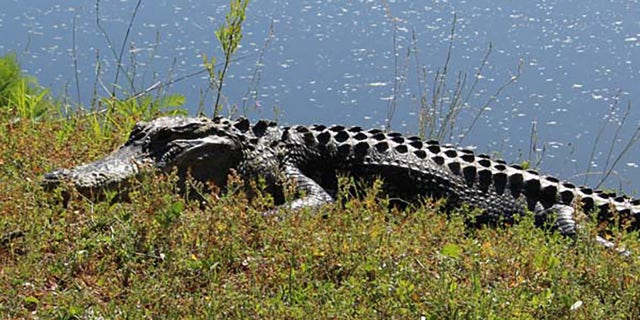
205	149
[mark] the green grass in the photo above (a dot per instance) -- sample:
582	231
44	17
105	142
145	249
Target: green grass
159	256
20	93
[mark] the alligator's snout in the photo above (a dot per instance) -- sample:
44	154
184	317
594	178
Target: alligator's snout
54	178
107	173
56	174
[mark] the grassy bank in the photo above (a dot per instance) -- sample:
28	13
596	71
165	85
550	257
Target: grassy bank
160	256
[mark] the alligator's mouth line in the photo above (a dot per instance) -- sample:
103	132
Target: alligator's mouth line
107	173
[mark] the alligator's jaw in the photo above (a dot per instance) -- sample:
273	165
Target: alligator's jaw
202	149
110	172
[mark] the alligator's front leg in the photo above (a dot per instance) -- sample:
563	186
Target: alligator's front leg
313	195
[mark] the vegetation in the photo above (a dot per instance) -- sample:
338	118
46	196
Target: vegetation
162	256
21	94
229	35
441	100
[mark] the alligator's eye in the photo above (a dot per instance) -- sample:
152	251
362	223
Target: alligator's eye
188	128
137	128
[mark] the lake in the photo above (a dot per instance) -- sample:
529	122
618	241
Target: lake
349	61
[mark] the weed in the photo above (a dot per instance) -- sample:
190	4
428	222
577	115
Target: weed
21	94
229	35
440	110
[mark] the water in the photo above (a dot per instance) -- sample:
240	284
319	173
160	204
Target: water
335	62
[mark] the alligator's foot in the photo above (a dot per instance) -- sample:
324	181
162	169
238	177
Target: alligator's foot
314	196
566	224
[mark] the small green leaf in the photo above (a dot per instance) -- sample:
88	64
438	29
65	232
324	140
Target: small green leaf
177	207
451	251
31	300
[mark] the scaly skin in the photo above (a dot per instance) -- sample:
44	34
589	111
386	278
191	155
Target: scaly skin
313	157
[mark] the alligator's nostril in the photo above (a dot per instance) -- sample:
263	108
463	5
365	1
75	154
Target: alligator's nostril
57	174
51	176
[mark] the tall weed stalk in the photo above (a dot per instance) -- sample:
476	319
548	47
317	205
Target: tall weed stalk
143	107
440	110
612	158
229	35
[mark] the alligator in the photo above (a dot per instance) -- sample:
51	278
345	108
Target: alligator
310	158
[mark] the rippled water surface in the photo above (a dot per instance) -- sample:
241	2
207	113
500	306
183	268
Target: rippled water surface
347	61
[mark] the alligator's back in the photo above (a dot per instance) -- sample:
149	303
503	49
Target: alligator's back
412	167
